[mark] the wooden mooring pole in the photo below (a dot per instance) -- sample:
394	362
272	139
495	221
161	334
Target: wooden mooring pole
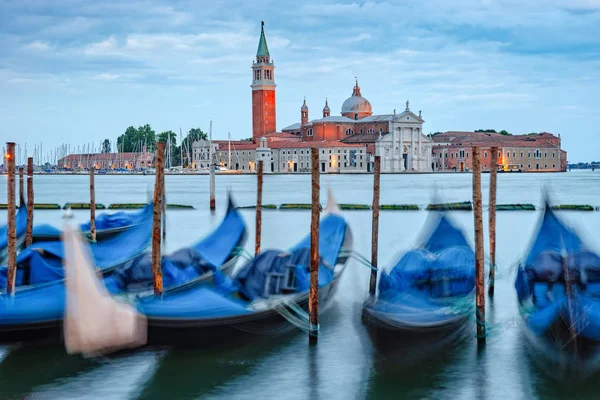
313	294
492	218
156	237
12	229
92	205
21	188
212	171
259	188
375	226
29	229
479	255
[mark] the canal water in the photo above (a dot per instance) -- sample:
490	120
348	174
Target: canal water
344	364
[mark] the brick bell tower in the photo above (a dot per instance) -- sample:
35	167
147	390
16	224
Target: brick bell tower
263	90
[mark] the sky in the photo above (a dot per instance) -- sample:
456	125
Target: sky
80	71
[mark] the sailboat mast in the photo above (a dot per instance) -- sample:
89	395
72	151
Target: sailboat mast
210	149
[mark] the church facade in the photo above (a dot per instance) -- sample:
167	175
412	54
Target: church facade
398	137
347	143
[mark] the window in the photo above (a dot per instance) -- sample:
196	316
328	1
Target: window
387	152
380	130
507	154
514	154
371	131
294	151
528	165
552	165
361	165
349	131
257	75
553	154
499	154
329	151
361	131
467	155
545	154
309	132
329	165
355	116
484	154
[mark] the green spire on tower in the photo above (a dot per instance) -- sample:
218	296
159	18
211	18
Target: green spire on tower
263	49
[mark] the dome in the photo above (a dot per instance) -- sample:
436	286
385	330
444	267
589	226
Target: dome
356	104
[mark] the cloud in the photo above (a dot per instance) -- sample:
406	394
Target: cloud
457	61
106	77
38	46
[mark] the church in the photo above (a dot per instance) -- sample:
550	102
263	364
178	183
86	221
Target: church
346	143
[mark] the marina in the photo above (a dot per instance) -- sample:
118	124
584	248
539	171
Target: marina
345	357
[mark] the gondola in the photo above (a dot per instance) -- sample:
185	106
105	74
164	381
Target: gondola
41	262
20	228
558	289
36	312
423	303
107	225
268	296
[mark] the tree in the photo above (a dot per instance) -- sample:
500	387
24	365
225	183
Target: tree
504	132
106	146
486	130
192	136
247	139
136	139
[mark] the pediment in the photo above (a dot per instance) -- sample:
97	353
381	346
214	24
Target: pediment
409	116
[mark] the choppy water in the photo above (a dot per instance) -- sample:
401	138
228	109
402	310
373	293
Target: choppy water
344	363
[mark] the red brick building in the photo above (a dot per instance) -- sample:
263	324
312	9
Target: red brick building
529	153
107	160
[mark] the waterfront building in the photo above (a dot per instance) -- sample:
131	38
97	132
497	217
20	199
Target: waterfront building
397	137
357	132
452	151
133	160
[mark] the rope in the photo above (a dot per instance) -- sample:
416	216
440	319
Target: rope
240	251
358	257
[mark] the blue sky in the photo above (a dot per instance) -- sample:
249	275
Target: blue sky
75	71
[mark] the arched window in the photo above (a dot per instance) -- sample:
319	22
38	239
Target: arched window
355	116
371	130
309	132
349	131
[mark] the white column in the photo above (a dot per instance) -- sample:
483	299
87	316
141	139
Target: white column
420	155
412	149
394	164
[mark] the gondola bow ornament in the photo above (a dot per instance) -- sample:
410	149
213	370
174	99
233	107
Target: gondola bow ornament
94	322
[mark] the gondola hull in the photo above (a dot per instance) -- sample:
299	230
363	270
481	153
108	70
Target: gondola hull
230	331
393	339
206	332
52	330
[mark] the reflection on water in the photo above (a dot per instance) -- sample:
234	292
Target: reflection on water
344	364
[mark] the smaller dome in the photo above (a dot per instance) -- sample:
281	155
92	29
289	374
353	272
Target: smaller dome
326	108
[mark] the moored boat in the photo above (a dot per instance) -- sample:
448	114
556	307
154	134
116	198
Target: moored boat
558	289
269	295
107	225
36	311
425	300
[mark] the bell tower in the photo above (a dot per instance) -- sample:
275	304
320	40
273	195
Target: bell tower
263	90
